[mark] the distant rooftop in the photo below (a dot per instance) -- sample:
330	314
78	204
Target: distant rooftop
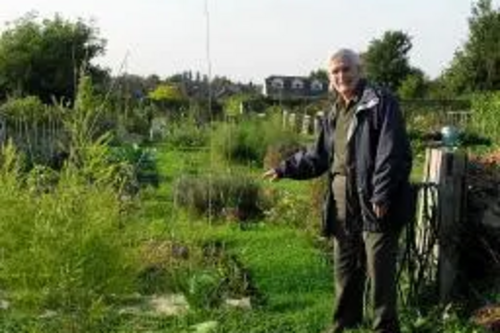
294	87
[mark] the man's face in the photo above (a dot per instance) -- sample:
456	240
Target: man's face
344	76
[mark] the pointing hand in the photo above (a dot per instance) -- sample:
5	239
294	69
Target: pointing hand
271	174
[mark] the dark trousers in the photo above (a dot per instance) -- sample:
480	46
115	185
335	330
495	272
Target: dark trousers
356	255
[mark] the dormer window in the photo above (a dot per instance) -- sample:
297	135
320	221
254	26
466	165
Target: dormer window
316	85
278	84
297	84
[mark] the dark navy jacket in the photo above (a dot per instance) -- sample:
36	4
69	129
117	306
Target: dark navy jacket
379	155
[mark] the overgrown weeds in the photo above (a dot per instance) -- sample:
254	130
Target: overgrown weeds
233	197
61	234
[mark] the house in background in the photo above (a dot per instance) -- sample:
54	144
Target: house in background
294	87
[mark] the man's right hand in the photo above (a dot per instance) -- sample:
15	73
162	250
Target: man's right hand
271	174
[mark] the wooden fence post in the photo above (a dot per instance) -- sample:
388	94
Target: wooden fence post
306	124
451	204
447	170
292	121
284	123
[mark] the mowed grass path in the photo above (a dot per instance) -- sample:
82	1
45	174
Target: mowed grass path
292	275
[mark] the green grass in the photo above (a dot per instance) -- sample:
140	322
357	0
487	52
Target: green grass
292	277
291	272
289	267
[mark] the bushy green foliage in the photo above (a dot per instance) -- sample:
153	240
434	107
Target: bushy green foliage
60	242
239	142
438	319
476	66
234	106
28	108
426	116
187	134
167	93
288	208
413	86
39	57
485	116
81	122
205	289
276	136
140	162
386	61
216	276
35	128
248	141
88	148
232	196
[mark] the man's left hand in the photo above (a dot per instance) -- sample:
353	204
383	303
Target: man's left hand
379	210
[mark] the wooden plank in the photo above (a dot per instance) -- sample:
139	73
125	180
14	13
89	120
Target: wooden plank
451	183
445	169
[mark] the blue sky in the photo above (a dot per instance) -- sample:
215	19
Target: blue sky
251	39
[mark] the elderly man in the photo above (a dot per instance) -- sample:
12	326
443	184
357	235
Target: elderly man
364	148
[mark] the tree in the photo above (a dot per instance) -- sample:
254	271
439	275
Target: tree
131	86
234	105
169	96
414	86
44	58
476	66
319	74
386	60
167	92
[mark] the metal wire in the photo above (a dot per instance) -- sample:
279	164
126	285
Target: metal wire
419	263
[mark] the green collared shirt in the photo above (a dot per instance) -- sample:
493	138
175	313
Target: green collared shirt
345	113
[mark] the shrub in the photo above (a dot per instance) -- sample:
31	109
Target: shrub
61	234
238	142
187	134
28	108
62	248
278	152
214	275
230	196
164	265
249	140
205	289
36	129
486	108
302	210
140	162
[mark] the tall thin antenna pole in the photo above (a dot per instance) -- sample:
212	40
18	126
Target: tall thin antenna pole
207	50
209	73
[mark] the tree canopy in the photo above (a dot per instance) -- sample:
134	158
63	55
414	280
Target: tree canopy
386	61
45	57
476	66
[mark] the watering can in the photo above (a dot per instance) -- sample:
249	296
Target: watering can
450	136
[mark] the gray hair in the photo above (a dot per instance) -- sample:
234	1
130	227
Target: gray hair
346	55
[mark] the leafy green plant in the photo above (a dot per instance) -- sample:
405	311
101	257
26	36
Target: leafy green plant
187	134
205	289
61	235
140	162
486	107
35	128
239	142
61	248
249	140
230	196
